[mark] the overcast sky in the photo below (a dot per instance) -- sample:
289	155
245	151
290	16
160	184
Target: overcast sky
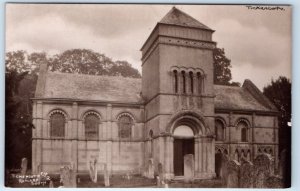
258	42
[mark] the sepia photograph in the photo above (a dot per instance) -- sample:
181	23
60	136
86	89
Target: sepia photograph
147	95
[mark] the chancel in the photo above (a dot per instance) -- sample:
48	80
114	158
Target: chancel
174	110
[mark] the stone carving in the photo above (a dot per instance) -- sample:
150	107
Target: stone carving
93	170
106	176
233	168
24	164
263	168
189	168
246	174
68	177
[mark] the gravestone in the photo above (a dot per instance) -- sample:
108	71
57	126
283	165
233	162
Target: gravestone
150	173
51	184
39	168
24	164
68	177
160	172
246	174
263	168
233	172
93	170
189	168
106	176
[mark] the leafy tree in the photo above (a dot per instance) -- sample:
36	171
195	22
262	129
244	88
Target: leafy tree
279	92
222	65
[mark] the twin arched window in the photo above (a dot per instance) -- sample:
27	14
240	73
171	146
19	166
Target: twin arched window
57	124
188	82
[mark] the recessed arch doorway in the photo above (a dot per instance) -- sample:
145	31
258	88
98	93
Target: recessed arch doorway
183	144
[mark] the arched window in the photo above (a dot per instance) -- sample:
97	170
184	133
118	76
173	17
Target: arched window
125	125
199	80
242	125
192	82
183	82
91	124
219	130
57	124
176	81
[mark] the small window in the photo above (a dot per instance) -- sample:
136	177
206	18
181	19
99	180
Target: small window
219	130
125	126
91	124
57	125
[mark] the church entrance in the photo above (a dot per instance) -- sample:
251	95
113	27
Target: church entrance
183	144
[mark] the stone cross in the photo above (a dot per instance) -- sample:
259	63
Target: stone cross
24	166
68	177
106	176
189	170
93	170
232	180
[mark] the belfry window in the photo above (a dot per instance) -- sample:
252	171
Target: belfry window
183	82
57	125
199	80
91	124
191	82
176	81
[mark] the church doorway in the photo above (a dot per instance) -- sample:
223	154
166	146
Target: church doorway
183	144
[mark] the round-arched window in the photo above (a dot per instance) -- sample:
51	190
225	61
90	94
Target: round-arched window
91	124
219	130
57	125
125	126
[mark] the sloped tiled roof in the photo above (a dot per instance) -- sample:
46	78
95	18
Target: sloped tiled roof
231	97
177	17
94	88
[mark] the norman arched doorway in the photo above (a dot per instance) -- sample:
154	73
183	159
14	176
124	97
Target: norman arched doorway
183	144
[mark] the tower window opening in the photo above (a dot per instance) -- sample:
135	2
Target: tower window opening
192	82
183	82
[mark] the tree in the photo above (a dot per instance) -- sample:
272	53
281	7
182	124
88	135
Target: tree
222	65
83	61
279	92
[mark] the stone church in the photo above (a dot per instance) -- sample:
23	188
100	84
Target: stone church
173	110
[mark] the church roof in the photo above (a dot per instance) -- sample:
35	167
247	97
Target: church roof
237	98
177	17
127	90
92	88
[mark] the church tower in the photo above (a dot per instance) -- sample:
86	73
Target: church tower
177	86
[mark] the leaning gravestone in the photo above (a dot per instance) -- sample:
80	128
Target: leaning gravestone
106	176
24	164
93	170
263	169
150	169
189	168
68	177
233	168
246	174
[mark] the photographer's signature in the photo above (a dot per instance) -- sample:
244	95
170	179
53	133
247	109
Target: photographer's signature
265	8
